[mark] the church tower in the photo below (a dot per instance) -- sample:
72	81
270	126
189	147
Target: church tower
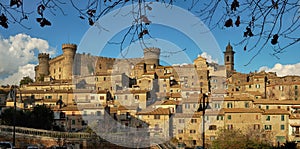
229	59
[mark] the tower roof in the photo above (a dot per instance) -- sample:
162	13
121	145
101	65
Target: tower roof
229	49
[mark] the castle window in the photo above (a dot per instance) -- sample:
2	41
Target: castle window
193	131
268	118
180	131
268	127
282	117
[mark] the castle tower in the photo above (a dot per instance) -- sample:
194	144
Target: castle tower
151	58
43	68
69	51
229	59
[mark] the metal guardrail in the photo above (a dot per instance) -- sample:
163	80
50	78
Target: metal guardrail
45	133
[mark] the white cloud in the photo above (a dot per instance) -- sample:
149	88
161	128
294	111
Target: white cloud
209	58
17	54
26	70
283	70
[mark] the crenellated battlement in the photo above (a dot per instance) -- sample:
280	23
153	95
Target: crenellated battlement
69	46
43	55
153	50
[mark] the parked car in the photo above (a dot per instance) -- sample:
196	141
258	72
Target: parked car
32	147
6	145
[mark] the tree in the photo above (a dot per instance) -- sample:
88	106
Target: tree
236	139
264	22
41	117
26	80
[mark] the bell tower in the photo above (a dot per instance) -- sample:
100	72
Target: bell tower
229	59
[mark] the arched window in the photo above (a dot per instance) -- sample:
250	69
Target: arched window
227	58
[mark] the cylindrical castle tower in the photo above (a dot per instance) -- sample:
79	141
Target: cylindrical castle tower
43	69
151	56
69	51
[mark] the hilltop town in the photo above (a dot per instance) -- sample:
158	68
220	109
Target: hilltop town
163	103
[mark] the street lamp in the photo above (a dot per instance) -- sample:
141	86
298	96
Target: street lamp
13	94
203	107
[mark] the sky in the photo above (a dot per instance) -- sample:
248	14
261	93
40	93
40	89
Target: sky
172	29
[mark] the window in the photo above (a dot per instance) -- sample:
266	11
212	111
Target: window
249	86
267	107
282	117
256	117
181	120
246	104
268	118
136	97
281	88
126	97
180	131
187	106
84	113
257	85
156	116
230	127
101	97
229	105
219	117
73	122
104	78
227	58
193	120
229	117
256	126
212	127
217	106
192	131
268	127
281	127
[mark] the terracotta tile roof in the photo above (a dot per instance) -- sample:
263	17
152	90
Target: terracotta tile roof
176	95
296	107
67	108
170	102
242	110
121	107
276	102
295	125
188	115
158	111
275	112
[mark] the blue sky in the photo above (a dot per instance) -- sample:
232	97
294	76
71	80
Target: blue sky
174	31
